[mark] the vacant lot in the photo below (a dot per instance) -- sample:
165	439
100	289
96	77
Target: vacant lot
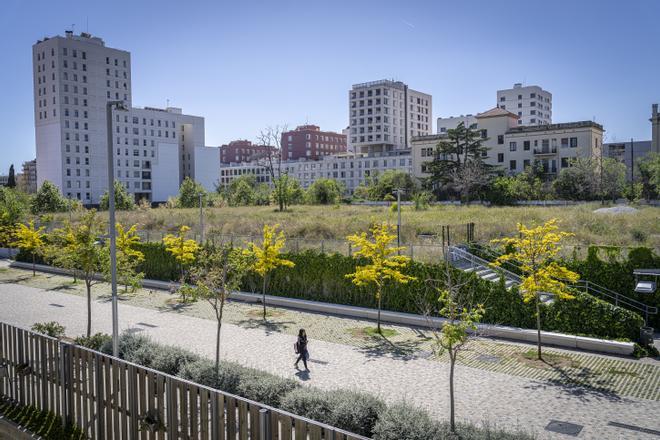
336	222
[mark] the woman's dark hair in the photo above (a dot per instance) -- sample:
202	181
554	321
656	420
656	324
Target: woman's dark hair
302	333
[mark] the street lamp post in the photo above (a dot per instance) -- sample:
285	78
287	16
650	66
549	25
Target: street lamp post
119	105
398	221
201	218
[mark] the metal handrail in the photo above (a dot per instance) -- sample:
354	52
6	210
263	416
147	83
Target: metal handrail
590	286
487	264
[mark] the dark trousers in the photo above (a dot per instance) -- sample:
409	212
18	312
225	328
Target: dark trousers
303	356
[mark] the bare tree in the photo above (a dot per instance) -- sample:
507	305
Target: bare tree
271	139
470	177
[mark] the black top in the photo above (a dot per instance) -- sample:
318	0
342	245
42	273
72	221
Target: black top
302	343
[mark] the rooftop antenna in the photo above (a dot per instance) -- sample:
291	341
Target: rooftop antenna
87	25
168	103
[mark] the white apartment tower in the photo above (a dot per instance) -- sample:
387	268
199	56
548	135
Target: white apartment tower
385	115
74	77
532	104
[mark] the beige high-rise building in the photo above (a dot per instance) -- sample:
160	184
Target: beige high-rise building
531	104
385	115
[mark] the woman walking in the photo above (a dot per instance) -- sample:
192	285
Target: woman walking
301	348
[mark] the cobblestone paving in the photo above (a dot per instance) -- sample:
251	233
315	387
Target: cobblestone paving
515	399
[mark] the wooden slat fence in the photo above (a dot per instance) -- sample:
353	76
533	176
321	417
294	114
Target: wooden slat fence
113	399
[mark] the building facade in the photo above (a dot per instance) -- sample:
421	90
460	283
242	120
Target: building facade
451	122
628	153
531	104
74	78
385	115
351	170
512	147
309	142
27	180
240	151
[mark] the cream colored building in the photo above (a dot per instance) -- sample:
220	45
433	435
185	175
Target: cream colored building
385	115
655	129
513	147
531	104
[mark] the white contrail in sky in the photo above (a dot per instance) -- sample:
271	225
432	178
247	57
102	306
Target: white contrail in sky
408	23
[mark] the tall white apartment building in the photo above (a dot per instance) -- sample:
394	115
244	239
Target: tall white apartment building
451	122
531	104
384	115
74	77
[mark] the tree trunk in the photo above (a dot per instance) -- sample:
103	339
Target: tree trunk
217	347
89	308
380	297
538	325
263	296
34	273
452	363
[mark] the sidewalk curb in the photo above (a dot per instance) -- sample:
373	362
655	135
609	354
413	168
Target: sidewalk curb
490	330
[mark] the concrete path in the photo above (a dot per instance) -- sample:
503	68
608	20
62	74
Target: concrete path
482	396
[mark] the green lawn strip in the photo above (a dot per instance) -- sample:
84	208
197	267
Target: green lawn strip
43	423
639	379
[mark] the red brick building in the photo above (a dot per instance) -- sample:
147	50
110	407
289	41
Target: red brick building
242	151
310	142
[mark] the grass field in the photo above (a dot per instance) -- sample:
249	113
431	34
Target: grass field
336	222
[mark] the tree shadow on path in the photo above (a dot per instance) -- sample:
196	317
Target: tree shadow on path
380	346
269	326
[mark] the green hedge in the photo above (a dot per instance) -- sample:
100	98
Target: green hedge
45	424
321	277
607	267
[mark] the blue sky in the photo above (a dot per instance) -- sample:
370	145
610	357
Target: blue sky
245	65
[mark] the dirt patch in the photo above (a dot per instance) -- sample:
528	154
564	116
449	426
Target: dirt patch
371	332
259	313
550	360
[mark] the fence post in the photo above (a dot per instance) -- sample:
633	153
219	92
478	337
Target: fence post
412	252
322	247
100	419
172	427
264	424
62	366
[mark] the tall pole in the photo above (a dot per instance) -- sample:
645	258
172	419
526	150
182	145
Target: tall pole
632	162
111	228
398	222
201	219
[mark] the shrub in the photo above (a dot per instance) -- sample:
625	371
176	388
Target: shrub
53	329
349	410
263	387
44	424
404	422
94	342
170	360
202	371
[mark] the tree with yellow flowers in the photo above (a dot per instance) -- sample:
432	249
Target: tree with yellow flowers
128	258
385	263
30	239
184	250
535	250
267	256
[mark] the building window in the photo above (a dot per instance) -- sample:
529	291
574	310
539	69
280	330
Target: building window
500	157
500	139
513	146
526	145
512	165
574	142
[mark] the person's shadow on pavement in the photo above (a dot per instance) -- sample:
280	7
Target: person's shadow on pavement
303	375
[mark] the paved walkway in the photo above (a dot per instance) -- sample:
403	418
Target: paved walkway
483	396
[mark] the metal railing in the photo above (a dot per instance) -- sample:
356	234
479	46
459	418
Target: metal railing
587	286
109	398
458	253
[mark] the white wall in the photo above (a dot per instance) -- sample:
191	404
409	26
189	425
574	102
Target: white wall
207	167
165	172
49	165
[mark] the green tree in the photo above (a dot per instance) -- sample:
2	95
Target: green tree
62	239
265	257
30	239
463	145
383	260
523	186
48	199
128	258
11	180
323	192
184	250
579	181
649	175
217	274
422	200
124	201
13	209
613	180
462	314
535	250
379	185
87	254
189	192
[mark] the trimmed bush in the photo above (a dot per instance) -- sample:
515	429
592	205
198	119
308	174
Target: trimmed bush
94	342
170	360
202	371
404	422
53	329
349	410
263	387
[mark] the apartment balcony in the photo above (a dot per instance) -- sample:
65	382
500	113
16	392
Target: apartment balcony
545	151
146	175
